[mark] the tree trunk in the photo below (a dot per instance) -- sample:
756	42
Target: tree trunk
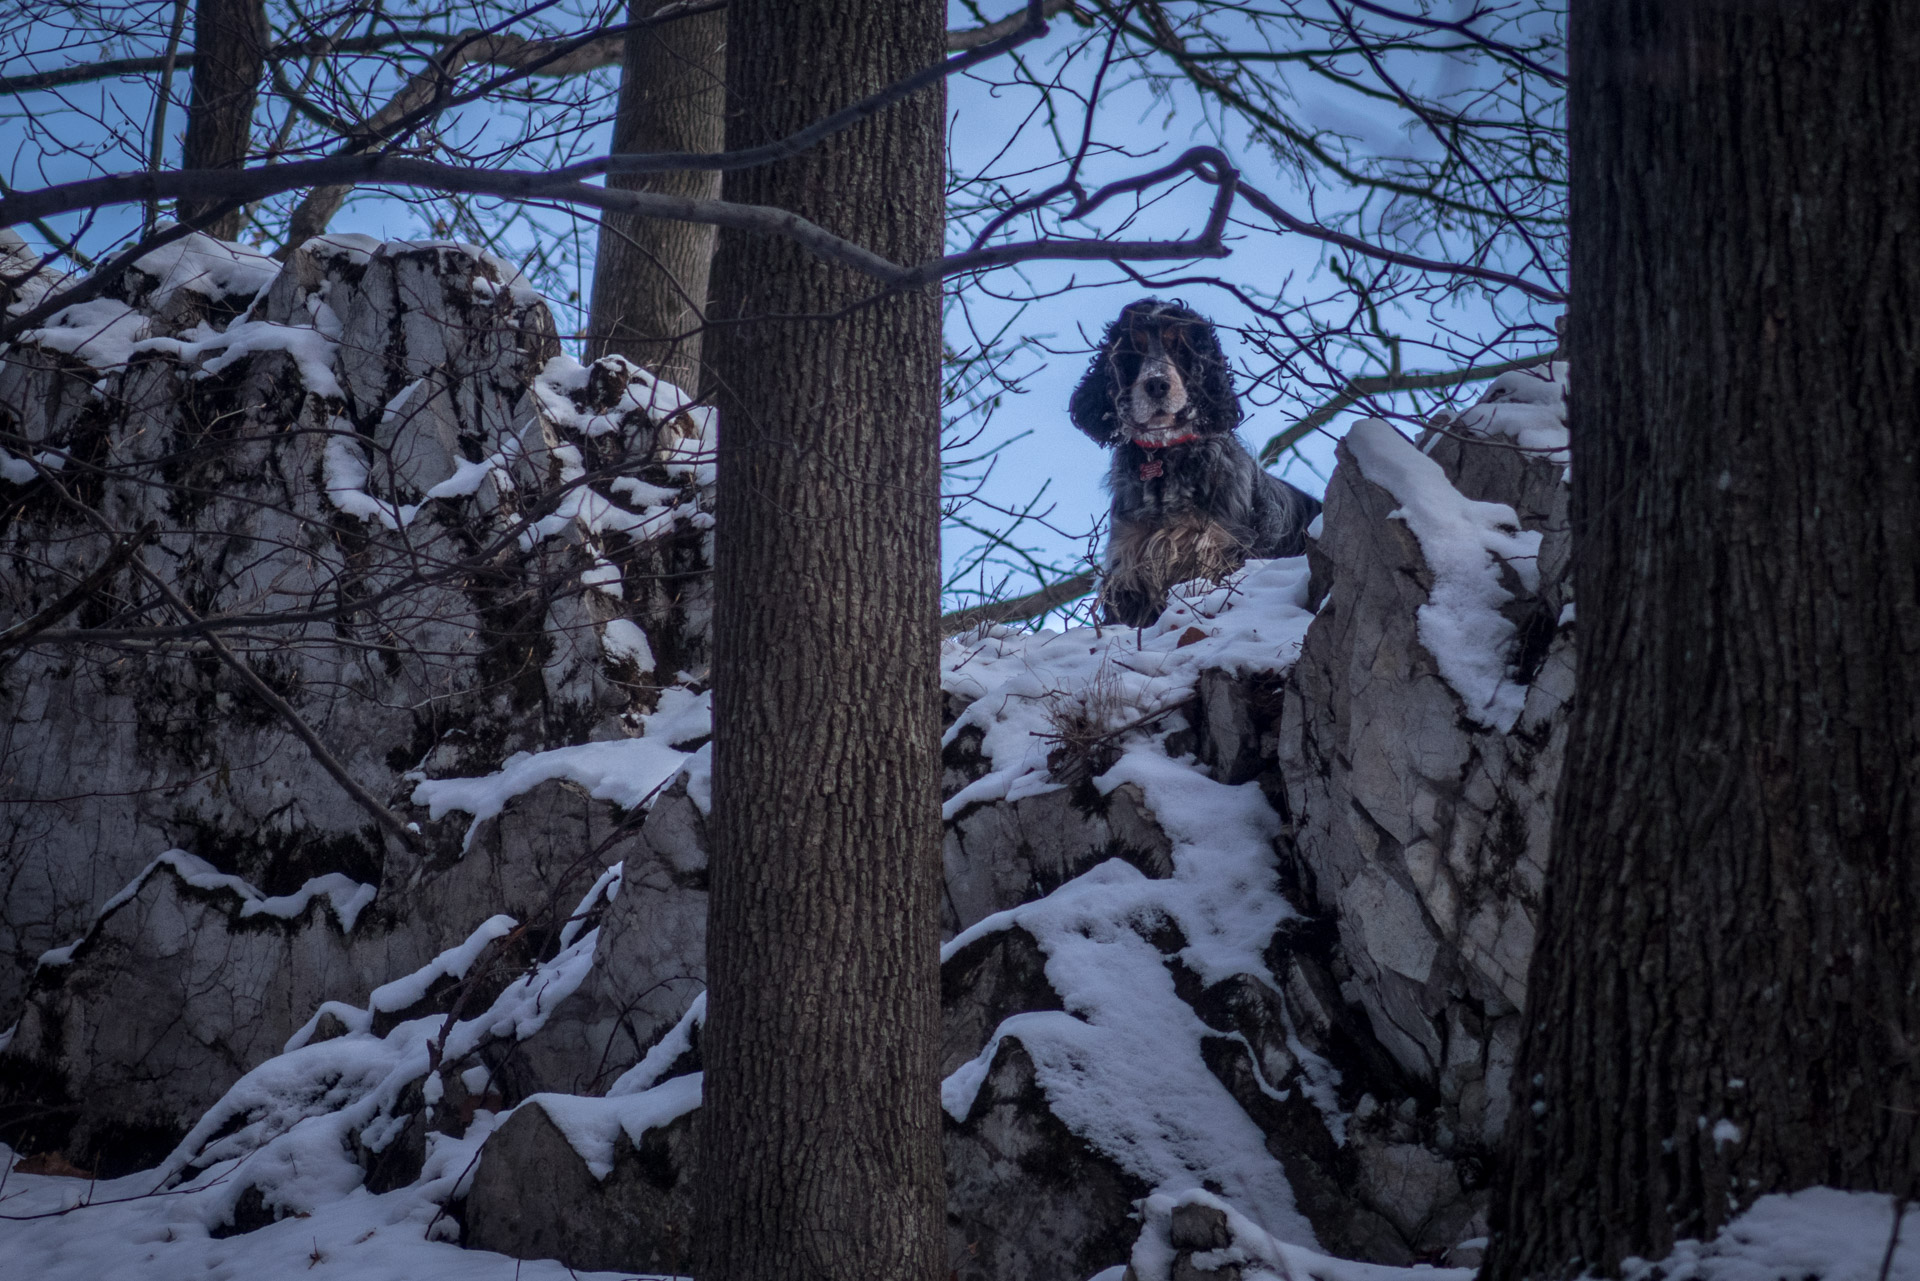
821	1126
650	275
229	46
1722	999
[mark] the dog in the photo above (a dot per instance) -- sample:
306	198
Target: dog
1189	500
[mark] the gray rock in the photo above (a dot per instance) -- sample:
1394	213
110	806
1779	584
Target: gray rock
1199	1227
165	1003
1422	834
534	1198
1025	1195
1374	1050
415	360
1002	854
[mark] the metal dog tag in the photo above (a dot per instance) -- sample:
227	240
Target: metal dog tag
1152	470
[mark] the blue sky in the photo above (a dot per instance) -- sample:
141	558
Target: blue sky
990	126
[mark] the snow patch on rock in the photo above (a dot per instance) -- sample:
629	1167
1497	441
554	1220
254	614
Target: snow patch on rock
1466	544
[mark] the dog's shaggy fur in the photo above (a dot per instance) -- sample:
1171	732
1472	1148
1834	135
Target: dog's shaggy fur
1189	501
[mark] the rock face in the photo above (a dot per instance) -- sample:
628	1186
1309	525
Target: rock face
534	1198
1239	906
1421	832
449	543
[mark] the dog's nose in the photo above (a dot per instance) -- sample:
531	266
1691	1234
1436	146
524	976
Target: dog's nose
1158	386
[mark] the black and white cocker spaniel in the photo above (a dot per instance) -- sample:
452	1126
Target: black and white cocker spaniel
1189	501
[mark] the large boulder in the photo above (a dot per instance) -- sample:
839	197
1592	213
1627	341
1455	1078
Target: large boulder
457	551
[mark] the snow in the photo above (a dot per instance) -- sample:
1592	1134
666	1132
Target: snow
622	640
1466	544
591	1125
211	268
469	476
605	889
512	279
699	776
101	331
452	963
287	1128
1528	406
602	576
345	474
1121	1063
595	513
1020	683
652	1066
1259	1255
629	772
346	896
561	385
351	246
127	1228
1817	1232
682	715
311	349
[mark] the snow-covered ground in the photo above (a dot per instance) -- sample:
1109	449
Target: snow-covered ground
1120	1063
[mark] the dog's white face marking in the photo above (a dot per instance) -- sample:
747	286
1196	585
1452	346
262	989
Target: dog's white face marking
1156	402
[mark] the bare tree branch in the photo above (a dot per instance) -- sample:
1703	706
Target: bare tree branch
1032	28
1032	605
1380	253
124	549
974	37
601	47
327	761
1380	385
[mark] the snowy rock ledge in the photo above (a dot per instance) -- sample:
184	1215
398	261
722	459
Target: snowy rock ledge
1238	905
327	429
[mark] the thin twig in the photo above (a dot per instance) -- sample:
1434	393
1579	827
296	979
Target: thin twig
1359	389
1893	1240
284	710
123	550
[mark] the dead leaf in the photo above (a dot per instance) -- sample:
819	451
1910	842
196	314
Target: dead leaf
54	1163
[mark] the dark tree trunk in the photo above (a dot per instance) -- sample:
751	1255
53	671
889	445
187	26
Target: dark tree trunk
229	48
821	1127
1723	996
650	276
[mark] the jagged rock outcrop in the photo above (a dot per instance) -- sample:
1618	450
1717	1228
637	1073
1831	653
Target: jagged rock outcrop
449	543
1238	905
1422	829
534	1197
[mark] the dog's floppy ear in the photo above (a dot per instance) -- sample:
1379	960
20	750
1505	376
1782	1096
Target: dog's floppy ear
1211	378
1092	408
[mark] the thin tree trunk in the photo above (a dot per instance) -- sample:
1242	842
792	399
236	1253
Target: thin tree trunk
821	1126
1722	1000
229	46
650	276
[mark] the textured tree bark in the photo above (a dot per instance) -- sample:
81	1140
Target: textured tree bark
229	44
1722	997
650	275
821	1125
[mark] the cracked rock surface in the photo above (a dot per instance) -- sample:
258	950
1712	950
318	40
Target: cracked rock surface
1266	867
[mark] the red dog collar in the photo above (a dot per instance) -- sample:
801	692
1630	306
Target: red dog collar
1154	467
